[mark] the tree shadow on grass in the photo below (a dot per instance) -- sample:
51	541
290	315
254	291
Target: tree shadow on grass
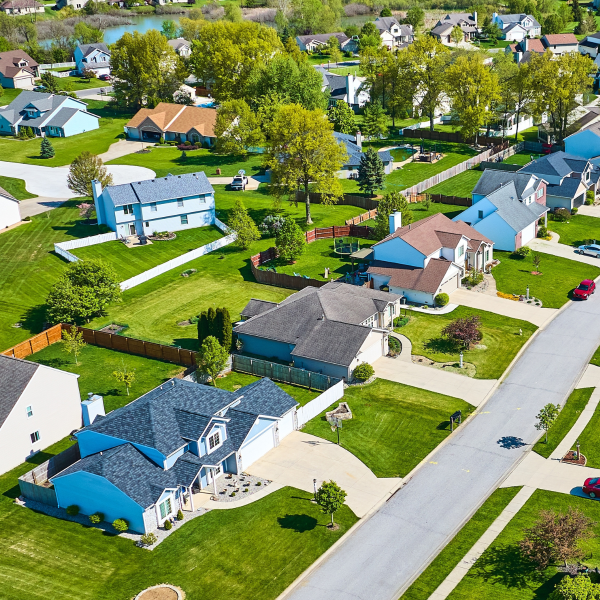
441	345
299	523
34	318
187	343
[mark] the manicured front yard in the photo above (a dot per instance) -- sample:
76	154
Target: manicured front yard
96	367
462	542
460	185
503	574
595	360
132	261
8	96
567	417
589	441
580	230
15	187
169	160
393	426
560	276
500	337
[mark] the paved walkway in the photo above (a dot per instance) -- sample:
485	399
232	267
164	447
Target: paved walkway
590	211
468	389
504	307
121	148
41	204
300	458
561	250
406	354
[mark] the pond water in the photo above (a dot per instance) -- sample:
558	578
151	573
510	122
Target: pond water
141	23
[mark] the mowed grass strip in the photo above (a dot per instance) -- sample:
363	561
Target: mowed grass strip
393	426
567	417
15	187
588	441
463	541
580	230
501	338
560	276
460	185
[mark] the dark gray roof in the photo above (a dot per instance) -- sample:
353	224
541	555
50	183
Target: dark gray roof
355	153
558	164
87	49
516	214
257	307
162	188
567	189
323	37
43	102
61	117
492	179
263	397
518	19
15	374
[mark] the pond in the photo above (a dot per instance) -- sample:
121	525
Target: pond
141	23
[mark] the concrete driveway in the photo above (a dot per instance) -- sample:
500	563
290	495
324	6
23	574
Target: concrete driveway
300	458
51	182
563	251
468	389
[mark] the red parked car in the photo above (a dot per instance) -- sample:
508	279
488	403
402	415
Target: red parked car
592	487
584	290
104	78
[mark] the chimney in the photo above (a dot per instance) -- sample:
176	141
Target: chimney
350	90
475	16
97	192
91	408
395	220
359	139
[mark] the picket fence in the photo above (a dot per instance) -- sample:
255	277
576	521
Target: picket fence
319	404
47	66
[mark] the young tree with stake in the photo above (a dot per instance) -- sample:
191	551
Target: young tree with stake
123	375
330	497
546	417
72	342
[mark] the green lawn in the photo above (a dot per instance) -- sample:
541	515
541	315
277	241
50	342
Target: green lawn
560	277
580	230
528	135
595	360
96	141
521	158
567	417
500	337
132	261
78	83
393	426
589	441
503	574
420	212
168	160
44	557
462	542
460	185
8	95
234	381
487	44
350	69
15	187
96	367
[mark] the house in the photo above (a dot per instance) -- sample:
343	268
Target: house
578	119
353	146
181	47
568	178
93	57
39	406
49	115
144	461
507	208
21	7
560	43
589	45
585	143
174	122
330	329
171	203
516	27
76	4
523	50
349	88
17	69
318	41
466	21
394	35
427	258
9	210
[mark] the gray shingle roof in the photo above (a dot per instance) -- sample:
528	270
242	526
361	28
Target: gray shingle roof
492	179
162	188
355	153
61	117
15	374
87	49
43	102
557	164
256	307
263	397
515	213
567	189
519	18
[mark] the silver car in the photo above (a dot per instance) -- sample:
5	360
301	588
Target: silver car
590	250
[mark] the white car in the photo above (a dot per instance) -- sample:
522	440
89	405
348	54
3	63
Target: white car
590	250
240	181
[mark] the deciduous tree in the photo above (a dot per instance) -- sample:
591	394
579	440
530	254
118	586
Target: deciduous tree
290	240
213	358
415	16
124	376
464	331
457	35
83	170
546	417
342	117
72	342
243	224
576	588
169	29
330	497
237	128
371	172
390	203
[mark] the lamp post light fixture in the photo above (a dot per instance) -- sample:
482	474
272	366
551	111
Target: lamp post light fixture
528	292
577	444
315	488
461	359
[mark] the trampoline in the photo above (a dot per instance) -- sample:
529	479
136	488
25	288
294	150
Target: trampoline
346	246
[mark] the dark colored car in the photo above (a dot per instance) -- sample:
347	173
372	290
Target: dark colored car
104	78
584	290
591	487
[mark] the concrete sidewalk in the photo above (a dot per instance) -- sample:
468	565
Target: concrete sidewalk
39	205
121	148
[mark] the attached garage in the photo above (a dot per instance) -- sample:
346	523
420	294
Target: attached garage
258	446
287	423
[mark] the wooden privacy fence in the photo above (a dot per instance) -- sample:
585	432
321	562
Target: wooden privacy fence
362	217
346	200
447	136
104	340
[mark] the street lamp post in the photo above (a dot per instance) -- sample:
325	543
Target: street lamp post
315	488
461	359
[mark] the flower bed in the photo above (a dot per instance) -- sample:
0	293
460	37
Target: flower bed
184	147
162	236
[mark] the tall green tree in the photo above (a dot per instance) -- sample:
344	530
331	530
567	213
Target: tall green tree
290	240
169	29
457	35
242	223
46	148
84	169
415	16
374	121
233	13
315	16
50	82
342	117
86	34
546	417
213	358
237	128
371	172
302	152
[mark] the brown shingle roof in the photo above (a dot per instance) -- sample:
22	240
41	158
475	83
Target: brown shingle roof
427	280
557	39
178	118
19	4
9	62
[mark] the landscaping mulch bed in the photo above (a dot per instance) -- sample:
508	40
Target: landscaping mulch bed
162	592
113	328
163	238
468	369
571	458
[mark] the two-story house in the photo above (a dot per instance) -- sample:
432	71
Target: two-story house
507	208
144	462
170	203
584	143
329	330
466	21
17	69
427	258
181	46
353	147
590	44
516	27
568	178
560	43
94	57
47	115
349	88
316	41
394	35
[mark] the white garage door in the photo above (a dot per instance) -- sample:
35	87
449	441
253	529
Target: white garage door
259	446
528	233
286	425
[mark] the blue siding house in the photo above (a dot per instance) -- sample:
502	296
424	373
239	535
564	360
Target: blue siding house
94	57
145	461
170	203
49	115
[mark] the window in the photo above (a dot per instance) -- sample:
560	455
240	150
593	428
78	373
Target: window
203	199
35	436
461	251
128	209
179	201
29	411
147	224
480	214
214	440
184	220
540	192
165	508
153	206
487	256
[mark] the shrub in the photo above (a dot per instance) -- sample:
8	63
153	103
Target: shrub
73	510
97	517
442	299
574	211
589	197
179	515
148	539
395	346
168	525
561	214
363	372
26	218
542	232
589	202
187	143
401	321
271	224
120	524
232	494
259	483
522	252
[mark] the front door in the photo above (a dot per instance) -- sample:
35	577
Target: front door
131	228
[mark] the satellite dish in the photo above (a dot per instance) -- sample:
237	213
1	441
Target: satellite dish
241	172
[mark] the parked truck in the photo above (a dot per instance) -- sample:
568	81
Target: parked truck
240	181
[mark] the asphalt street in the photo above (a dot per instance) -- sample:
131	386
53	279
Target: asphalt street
382	557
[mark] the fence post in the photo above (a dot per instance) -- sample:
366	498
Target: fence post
309	381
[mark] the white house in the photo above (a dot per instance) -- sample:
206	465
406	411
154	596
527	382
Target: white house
95	57
170	203
427	258
9	210
329	330
394	35
349	88
315	41
39	406
466	21
560	43
589	45
181	46
507	208
516	27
